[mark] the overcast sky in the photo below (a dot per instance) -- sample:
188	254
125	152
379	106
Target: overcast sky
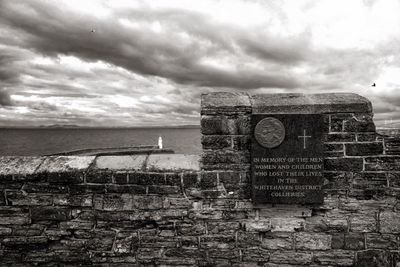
133	63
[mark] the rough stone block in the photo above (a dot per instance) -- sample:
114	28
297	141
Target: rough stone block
164	189
146	178
19	166
226	157
190	179
19	198
229	177
44	188
291	257
225	125
367	137
255	255
76	189
131	162
173	162
50	214
389	222
126	242
360	123
65	177
339	137
312	241
326	224
223	227
99	177
337	180
173	179
257	225
382	241
131	189
364	149
5	231
23	242
373	258
334	258
13	215
354	241
287	224
120	177
76	200
65	164
208	180
225	102
363	221
343	164
216	141
389	163
278	240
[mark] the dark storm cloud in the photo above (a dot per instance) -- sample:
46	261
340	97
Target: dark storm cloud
52	30
5	99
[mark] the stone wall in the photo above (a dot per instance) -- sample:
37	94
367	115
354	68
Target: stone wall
174	210
358	224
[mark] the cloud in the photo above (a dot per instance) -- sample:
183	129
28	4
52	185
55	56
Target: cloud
5	99
52	31
148	62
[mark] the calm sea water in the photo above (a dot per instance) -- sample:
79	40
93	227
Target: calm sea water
32	142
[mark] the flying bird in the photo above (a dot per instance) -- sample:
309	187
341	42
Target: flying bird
373	85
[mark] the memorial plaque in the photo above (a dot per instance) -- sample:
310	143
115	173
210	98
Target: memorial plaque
287	158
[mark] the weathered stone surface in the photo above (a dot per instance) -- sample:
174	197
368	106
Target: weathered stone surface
373	258
69	200
13	215
224	101
382	163
19	165
225	125
65	164
312	241
381	241
131	162
364	149
343	164
173	162
364	221
340	137
309	103
355	241
291	257
278	240
360	123
50	214
389	222
20	198
334	257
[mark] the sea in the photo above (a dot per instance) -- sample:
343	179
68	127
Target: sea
45	141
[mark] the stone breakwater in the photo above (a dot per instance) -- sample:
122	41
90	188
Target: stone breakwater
185	210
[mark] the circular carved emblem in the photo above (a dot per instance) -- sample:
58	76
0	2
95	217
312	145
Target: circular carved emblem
269	132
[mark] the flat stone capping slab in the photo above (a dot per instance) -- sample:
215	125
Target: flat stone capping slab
66	164
15	165
309	103
224	99
135	162
173	162
19	165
